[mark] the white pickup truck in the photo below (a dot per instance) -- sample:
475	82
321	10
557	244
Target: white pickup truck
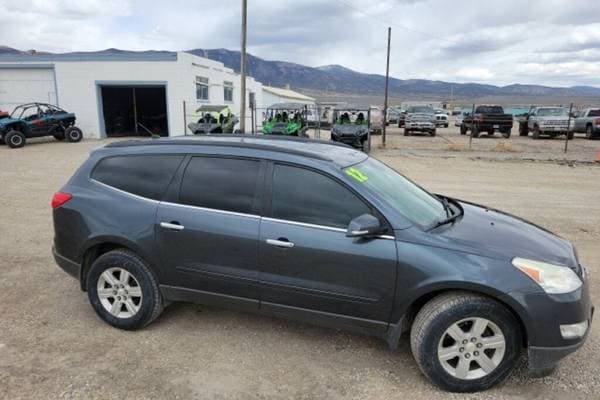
550	121
588	122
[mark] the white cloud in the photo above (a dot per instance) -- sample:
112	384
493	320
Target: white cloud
552	42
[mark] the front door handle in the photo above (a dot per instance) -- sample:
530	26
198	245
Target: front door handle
280	243
174	226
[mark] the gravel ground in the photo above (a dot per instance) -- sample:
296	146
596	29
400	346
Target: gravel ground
52	345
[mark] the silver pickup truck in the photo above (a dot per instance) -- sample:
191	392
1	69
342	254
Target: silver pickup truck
551	121
588	122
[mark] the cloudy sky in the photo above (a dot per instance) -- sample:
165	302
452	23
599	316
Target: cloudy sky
550	42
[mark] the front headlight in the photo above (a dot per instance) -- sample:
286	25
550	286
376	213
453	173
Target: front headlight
554	279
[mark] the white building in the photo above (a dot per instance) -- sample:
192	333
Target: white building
124	93
273	95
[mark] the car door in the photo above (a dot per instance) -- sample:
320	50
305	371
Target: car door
208	235
308	263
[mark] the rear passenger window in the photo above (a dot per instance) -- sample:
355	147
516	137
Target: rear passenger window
144	175
306	196
227	184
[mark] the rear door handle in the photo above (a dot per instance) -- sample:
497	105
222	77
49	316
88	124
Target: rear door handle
175	226
280	243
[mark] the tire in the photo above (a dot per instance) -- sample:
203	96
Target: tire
59	136
506	134
15	139
475	131
523	130
73	134
406	132
2	140
446	125
589	132
536	132
366	148
463	130
432	133
137	311
430	334
570	135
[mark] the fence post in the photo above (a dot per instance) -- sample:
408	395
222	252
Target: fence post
568	128
472	125
184	119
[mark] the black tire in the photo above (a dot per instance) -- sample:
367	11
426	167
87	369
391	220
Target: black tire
506	133
59	136
73	134
432	133
523	130
14	139
406	132
446	125
570	135
438	315
589	132
151	302
536	132
475	131
365	146
2	140
463	130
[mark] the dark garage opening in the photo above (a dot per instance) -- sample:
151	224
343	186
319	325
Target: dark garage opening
134	110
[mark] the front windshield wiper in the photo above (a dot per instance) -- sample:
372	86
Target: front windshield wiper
451	215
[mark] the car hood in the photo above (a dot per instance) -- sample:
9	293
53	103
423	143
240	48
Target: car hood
7	120
493	233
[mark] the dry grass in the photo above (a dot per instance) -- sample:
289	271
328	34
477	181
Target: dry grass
457	147
505	146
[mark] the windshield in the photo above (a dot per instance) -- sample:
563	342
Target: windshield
553	112
422	109
416	204
489	110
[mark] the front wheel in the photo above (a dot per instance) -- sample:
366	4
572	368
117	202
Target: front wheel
465	342
123	290
506	134
432	133
589	132
536	132
570	135
14	139
406	132
73	134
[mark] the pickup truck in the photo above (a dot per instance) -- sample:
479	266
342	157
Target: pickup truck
550	121
487	119
588	122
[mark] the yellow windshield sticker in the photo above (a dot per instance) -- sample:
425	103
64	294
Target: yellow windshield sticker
357	175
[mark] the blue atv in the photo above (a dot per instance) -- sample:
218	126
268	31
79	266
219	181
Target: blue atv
36	120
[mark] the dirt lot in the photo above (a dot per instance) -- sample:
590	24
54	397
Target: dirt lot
52	345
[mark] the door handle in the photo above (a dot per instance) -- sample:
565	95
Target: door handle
174	226
280	243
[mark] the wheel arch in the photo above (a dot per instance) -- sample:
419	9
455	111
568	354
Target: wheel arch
102	245
426	294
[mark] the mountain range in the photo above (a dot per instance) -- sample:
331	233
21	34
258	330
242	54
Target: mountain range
339	79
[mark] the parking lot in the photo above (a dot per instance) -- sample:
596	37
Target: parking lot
52	344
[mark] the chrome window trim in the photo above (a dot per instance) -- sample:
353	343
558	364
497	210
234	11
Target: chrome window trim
124	191
214	210
323	227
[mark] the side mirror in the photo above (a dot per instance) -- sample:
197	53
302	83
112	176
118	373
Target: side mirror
364	226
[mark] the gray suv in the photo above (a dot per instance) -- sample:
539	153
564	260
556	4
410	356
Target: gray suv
320	233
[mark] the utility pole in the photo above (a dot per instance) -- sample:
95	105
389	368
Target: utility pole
569	127
243	68
387	79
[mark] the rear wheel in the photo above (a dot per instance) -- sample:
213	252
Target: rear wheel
14	139
73	134
123	290
589	132
465	342
506	133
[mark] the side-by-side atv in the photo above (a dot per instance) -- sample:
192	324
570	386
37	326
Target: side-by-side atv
36	120
286	119
213	119
352	125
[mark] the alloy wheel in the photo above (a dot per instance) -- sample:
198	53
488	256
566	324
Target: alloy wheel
119	292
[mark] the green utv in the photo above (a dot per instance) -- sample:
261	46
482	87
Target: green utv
213	119
286	119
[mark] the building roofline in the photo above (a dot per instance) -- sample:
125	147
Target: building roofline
99	56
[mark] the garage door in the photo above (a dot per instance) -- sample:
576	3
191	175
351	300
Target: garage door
25	85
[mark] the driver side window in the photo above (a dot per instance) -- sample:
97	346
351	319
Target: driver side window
302	195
